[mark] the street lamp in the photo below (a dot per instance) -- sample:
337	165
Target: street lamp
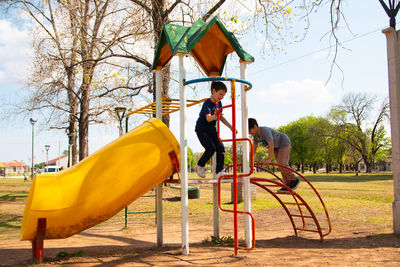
47	147
391	10
392	42
32	121
120	111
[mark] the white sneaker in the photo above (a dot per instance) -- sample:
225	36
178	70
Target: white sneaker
221	173
201	171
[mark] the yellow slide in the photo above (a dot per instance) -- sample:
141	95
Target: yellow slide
101	185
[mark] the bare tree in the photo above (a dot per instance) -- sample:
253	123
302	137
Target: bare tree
55	70
368	141
76	41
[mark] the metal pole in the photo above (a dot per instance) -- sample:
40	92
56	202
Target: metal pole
234	158
120	111
393	55
32	121
159	189
126	208
47	147
183	148
246	169
215	199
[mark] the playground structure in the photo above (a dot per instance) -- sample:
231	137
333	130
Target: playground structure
302	217
209	44
68	201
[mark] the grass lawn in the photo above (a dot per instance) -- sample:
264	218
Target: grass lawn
366	198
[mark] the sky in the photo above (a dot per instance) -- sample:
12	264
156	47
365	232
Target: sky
287	85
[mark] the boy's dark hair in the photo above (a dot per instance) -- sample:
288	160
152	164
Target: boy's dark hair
218	86
252	123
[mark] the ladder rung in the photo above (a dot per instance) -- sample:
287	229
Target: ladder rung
283	193
307	230
271	185
302	216
292	203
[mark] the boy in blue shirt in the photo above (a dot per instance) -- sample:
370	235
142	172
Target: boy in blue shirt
207	132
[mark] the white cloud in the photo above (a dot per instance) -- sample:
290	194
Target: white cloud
291	92
289	100
2	76
15	52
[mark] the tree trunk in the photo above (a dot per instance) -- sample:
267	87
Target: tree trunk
84	124
158	9
368	168
73	112
72	140
165	88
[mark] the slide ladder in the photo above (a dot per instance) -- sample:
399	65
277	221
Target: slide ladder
300	213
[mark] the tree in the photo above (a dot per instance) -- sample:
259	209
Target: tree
297	133
340	148
191	159
310	141
318	142
96	32
76	43
367	141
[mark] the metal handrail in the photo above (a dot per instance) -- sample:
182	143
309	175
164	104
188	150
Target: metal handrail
211	79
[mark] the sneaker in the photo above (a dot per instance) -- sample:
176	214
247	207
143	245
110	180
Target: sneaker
221	173
282	190
293	184
201	171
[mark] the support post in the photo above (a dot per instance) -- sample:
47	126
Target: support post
393	56
183	148
38	240
215	199
246	165
159	189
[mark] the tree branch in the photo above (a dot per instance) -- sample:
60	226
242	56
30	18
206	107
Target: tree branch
212	10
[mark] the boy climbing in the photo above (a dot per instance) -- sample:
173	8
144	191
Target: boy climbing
279	146
206	130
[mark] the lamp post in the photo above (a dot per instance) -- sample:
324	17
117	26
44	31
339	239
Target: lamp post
391	10
393	58
47	147
120	111
32	121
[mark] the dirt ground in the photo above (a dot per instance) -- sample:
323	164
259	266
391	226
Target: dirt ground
276	245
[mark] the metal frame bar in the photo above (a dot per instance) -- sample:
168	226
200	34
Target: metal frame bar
168	105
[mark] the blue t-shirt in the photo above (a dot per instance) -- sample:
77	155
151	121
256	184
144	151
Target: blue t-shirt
208	108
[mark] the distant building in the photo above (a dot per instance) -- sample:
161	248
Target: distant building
60	161
388	162
15	167
2	169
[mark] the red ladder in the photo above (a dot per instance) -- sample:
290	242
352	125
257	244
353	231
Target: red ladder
303	210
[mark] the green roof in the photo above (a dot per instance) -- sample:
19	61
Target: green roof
209	43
